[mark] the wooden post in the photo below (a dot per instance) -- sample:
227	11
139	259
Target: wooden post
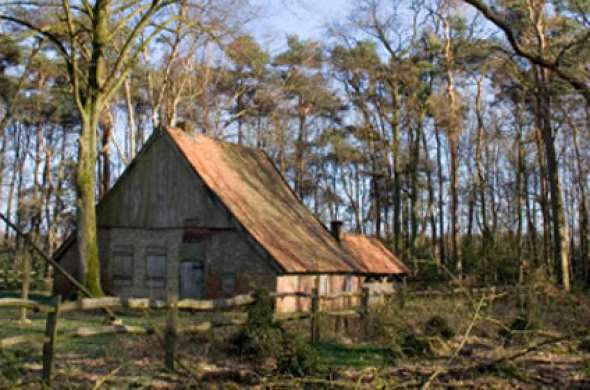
50	336
171	331
364	313
315	316
492	299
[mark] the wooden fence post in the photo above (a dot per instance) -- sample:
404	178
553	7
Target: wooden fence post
492	299
50	336
171	331
315	316
364	313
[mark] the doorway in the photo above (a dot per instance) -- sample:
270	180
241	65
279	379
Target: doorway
191	280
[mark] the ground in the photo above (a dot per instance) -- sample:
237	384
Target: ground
552	354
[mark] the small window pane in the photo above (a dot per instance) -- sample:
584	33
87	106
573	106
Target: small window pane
122	266
324	285
156	267
348	284
228	283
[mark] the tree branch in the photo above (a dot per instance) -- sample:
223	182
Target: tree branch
502	24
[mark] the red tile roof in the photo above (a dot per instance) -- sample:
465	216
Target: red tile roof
255	193
253	190
372	256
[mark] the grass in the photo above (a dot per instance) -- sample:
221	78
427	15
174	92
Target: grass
87	346
335	355
81	361
138	360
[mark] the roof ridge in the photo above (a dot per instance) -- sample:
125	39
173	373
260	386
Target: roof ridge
283	225
217	140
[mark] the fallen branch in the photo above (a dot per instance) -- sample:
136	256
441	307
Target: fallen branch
523	352
102	380
459	347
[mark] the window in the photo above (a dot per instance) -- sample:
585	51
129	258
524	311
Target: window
348	283
372	279
155	273
122	266
324	285
228	283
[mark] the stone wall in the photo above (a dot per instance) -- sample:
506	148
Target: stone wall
221	252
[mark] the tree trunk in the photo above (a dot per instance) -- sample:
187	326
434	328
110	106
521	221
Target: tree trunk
14	174
543	199
441	204
455	208
560	234
130	122
520	178
431	216
105	150
397	201
561	259
584	220
86	206
25	258
414	161
300	150
481	183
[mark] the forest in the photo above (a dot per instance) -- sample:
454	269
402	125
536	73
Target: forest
456	131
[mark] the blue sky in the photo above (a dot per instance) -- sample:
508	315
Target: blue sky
306	18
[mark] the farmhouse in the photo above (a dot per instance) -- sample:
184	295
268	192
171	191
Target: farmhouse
210	219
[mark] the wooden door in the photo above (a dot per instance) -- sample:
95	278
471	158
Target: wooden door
191	279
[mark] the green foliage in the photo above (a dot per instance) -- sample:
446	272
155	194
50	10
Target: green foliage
297	357
12	369
262	337
520	329
584	345
411	345
301	53
10	54
438	326
333	355
244	51
512	371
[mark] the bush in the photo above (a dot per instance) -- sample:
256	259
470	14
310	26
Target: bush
414	346
584	345
438	326
261	334
408	344
519	328
264	338
297	357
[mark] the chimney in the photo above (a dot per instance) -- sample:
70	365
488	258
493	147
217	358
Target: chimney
186	126
336	228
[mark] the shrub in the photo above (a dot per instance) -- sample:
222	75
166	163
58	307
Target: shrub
263	338
408	344
584	345
261	334
438	326
519	328
297	357
413	346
